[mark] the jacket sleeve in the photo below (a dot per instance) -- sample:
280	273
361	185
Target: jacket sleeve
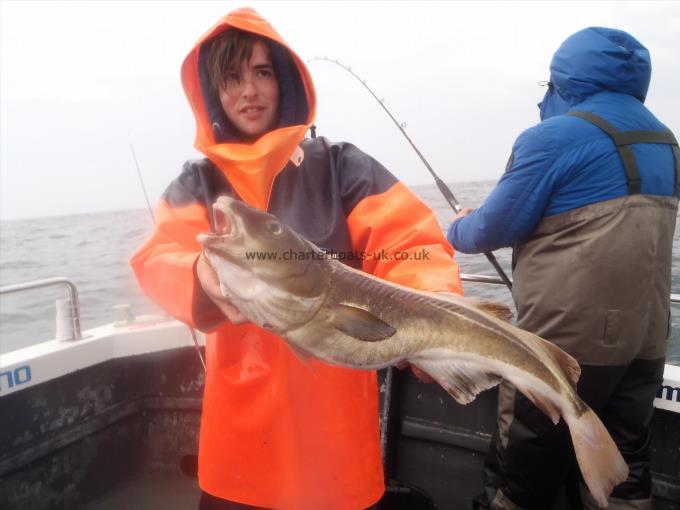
165	265
517	203
396	232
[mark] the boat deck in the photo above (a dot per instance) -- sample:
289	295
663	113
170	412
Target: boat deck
155	490
109	422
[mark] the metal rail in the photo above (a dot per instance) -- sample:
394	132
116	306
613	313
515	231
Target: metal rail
75	306
480	278
53	282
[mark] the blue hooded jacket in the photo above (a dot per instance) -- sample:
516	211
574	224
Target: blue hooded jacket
564	162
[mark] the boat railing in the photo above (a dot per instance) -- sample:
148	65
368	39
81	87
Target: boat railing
68	310
480	278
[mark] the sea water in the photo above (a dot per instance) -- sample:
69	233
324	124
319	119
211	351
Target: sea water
93	250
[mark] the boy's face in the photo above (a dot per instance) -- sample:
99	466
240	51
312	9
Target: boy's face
250	98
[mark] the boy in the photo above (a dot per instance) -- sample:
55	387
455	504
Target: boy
274	433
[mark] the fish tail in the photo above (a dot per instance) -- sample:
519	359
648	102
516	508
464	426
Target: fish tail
601	463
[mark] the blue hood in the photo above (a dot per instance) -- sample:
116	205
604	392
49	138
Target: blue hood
594	60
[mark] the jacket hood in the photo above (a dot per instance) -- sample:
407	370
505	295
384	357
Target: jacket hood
594	60
250	167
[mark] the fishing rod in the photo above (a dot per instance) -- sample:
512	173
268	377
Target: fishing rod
153	219
443	188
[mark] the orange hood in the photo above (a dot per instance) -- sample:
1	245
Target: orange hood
250	167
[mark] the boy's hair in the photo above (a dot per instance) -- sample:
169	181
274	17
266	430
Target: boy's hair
228	51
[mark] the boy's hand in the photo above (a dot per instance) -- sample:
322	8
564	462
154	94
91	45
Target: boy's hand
211	286
464	212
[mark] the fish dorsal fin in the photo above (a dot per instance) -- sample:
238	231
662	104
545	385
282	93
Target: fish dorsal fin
494	308
565	361
463	380
360	324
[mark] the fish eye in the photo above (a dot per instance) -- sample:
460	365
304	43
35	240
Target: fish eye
275	227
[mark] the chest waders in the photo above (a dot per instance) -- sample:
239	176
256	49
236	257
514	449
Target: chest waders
596	282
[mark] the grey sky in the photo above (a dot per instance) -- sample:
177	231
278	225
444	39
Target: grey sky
80	81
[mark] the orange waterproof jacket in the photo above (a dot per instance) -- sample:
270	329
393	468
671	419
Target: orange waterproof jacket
276	432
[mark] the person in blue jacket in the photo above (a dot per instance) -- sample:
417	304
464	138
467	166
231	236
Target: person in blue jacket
588	202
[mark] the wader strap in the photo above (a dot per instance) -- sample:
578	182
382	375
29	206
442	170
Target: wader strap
623	141
676	155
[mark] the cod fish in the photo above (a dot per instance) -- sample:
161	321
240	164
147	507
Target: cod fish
324	309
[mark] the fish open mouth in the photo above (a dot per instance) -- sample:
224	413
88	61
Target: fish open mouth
225	226
224	223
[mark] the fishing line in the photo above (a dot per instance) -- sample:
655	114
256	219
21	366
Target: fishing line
141	181
153	219
443	188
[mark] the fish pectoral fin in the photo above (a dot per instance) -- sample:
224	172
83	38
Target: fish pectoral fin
463	380
358	323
